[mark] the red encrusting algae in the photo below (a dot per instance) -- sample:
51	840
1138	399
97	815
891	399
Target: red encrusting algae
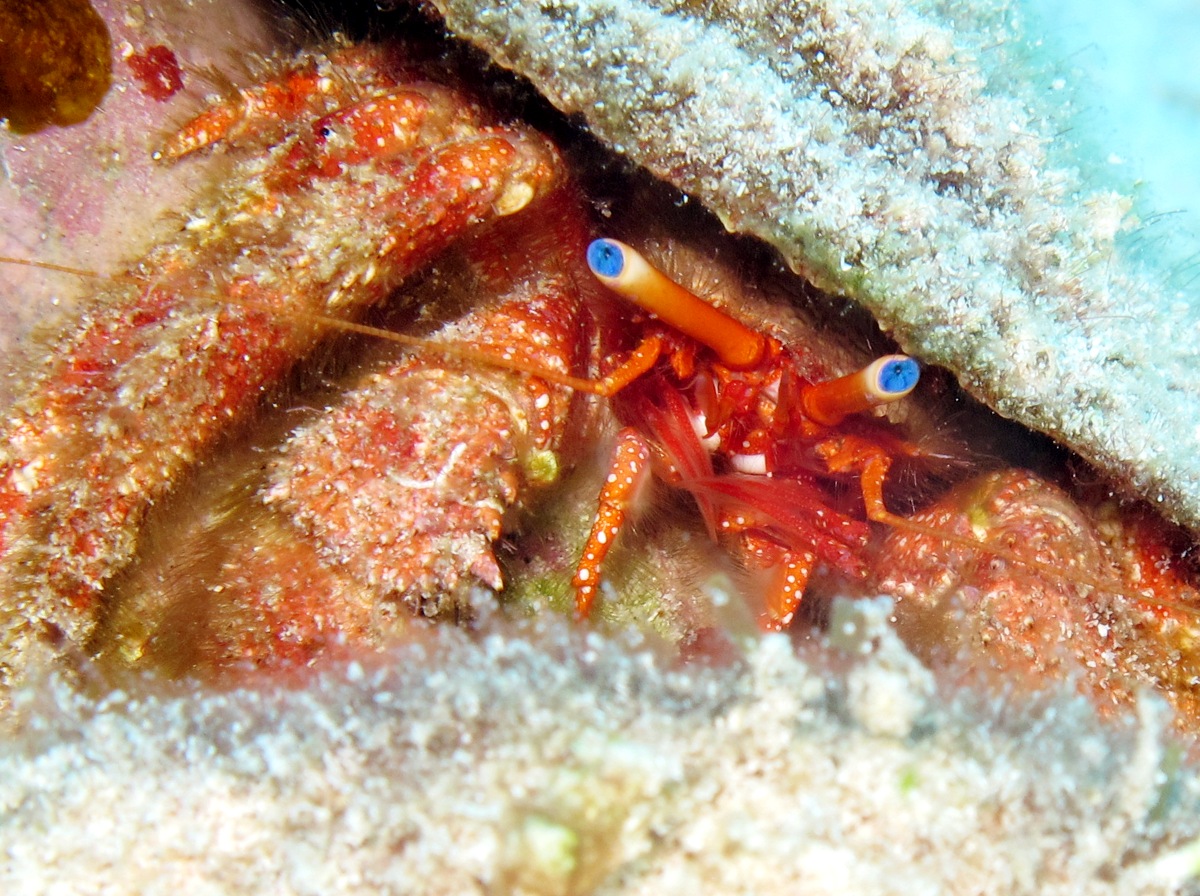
158	71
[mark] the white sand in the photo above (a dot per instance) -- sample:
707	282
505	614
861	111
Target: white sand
572	764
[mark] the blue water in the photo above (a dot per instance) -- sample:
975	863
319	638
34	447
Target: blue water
1134	72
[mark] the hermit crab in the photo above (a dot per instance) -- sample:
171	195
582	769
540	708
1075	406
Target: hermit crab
383	494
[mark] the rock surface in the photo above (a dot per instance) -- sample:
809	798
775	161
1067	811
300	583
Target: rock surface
872	146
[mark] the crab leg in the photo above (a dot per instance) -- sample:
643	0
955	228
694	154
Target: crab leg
386	504
789	571
786	590
198	329
438	449
628	473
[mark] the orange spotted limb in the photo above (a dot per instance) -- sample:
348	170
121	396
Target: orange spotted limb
788	581
627	474
789	570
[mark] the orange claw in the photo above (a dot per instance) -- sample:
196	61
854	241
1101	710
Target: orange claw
374	129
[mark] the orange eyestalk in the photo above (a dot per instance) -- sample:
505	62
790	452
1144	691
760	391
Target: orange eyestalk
884	380
623	270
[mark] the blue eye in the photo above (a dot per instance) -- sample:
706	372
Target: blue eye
605	258
899	375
